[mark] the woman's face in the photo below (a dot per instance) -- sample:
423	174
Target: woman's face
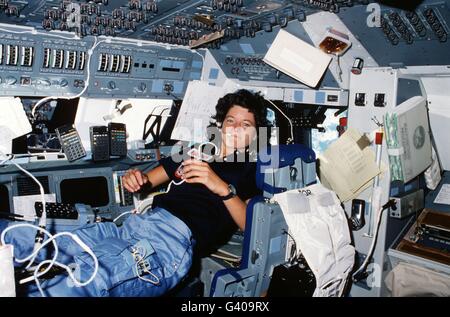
238	128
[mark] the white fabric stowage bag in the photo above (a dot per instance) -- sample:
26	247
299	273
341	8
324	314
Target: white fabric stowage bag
410	280
7	282
320	229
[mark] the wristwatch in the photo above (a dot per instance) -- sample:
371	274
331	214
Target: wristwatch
231	194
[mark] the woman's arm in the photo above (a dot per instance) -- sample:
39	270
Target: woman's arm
237	209
195	171
134	179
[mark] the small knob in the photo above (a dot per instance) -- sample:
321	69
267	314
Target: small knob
63	83
10	80
112	85
142	87
44	82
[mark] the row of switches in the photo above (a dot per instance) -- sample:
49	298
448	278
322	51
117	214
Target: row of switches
379	100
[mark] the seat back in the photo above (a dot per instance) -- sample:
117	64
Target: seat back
284	167
265	244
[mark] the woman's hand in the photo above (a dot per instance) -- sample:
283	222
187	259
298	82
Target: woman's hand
133	180
195	171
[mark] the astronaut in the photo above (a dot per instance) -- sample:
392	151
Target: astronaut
150	253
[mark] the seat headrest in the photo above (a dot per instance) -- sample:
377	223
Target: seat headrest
278	156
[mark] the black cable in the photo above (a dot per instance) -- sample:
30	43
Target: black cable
363	273
293	258
176	98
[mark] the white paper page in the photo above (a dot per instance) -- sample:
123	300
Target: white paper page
444	195
440	129
196	110
24	205
347	168
13	122
6	137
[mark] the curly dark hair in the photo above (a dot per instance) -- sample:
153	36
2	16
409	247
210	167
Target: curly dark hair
254	102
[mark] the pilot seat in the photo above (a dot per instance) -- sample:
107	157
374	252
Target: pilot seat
244	266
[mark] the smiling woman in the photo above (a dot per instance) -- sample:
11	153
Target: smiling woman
151	252
239	128
242	117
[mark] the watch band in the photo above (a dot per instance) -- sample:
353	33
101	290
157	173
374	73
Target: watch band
231	194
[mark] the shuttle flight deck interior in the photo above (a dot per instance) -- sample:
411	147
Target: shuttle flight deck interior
352	182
